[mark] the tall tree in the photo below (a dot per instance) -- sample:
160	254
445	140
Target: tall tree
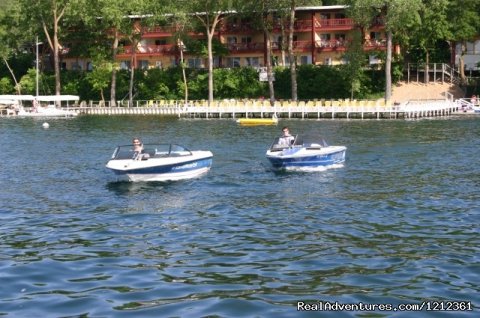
209	13
47	16
260	12
465	26
9	37
392	13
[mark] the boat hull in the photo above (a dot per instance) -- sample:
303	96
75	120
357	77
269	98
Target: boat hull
257	121
306	158
43	112
162	169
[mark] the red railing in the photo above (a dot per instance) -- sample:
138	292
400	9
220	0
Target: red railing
334	24
165	30
245	47
236	28
149	49
340	43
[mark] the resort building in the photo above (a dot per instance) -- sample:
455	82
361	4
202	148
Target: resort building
322	35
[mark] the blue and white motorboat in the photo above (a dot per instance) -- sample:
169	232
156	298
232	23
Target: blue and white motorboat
159	162
300	154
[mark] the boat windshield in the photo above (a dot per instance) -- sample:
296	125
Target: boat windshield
153	151
281	143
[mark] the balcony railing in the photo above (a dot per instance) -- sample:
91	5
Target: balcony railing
149	49
331	44
236	28
298	46
245	47
163	30
334	24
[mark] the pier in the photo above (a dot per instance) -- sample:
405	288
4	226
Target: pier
363	109
317	109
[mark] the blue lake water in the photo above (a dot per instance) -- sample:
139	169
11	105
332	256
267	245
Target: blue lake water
398	224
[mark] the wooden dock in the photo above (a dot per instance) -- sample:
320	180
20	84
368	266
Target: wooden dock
288	109
363	109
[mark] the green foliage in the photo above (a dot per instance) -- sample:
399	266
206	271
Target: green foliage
6	86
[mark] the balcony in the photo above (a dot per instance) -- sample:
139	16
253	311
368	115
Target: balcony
159	31
298	46
143	50
331	45
370	45
298	26
334	24
245	47
236	28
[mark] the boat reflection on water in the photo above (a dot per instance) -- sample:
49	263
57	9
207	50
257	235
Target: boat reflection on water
305	154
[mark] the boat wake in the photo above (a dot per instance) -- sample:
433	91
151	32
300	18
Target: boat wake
315	169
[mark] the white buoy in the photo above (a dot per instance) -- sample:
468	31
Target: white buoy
45	125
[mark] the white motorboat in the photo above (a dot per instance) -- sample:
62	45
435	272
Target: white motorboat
46	111
37	105
302	154
159	162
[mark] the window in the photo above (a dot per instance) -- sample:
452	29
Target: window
76	66
252	61
246	39
143	64
233	62
328	61
125	65
160	42
373	59
305	59
231	40
194	62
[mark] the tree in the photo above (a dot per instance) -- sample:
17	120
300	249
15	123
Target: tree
47	16
10	37
209	13
99	77
432	26
355	56
465	26
392	13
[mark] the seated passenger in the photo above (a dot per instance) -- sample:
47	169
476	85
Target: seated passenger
138	150
286	140
137	145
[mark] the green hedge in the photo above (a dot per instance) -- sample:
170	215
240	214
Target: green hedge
314	82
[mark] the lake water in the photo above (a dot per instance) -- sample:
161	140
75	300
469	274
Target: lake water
397	224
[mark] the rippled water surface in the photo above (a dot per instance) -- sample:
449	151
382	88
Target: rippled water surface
398	223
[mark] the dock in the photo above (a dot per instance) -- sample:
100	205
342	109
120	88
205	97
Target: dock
320	109
317	109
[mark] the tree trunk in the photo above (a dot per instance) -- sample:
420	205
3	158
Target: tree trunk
427	75
132	75
210	66
56	57
461	67
282	45
184	75
17	87
113	85
268	63
293	69
388	68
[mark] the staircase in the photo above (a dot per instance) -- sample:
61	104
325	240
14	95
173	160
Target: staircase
437	72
